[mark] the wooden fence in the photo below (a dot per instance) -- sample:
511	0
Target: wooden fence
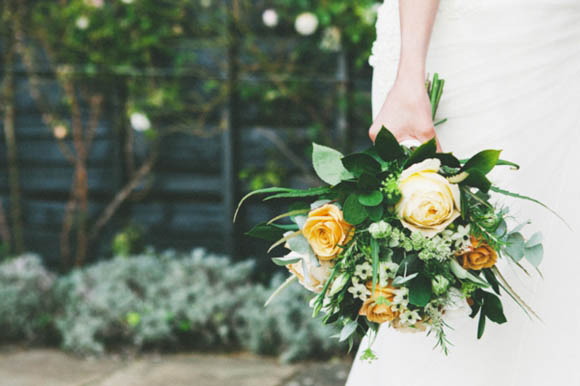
194	188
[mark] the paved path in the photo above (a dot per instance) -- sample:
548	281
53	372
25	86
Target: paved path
42	367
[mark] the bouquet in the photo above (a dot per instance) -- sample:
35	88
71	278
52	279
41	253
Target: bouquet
400	236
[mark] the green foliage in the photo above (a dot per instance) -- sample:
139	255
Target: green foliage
354	212
128	241
483	161
328	165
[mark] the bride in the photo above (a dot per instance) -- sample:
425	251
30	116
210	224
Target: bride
512	70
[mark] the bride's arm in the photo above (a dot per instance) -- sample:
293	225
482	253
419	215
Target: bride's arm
407	110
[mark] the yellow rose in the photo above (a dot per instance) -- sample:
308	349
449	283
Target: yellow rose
429	202
377	308
326	231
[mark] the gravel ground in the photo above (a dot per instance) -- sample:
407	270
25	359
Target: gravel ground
44	367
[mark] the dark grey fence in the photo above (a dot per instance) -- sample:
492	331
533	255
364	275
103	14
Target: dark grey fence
188	200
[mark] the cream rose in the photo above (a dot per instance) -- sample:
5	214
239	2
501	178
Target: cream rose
429	202
314	277
326	231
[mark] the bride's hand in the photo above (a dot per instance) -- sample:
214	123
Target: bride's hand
406	113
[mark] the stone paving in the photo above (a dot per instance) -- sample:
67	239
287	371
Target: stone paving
44	367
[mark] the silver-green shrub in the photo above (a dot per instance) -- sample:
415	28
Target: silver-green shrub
26	299
169	301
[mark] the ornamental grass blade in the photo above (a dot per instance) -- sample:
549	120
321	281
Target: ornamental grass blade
284	239
513	293
288	214
255	192
522	197
282	287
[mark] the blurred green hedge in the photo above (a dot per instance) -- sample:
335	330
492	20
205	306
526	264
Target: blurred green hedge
159	302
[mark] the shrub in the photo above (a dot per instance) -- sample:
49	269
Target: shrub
196	301
26	299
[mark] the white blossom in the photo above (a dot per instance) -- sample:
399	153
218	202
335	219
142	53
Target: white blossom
140	122
402	296
360	291
363	271
331	39
270	18
409	318
306	23
82	22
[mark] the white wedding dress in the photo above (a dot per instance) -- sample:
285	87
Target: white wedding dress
512	70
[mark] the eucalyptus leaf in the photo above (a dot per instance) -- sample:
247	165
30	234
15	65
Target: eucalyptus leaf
300	221
515	247
535	254
400	280
536	239
318	203
283	261
300	245
328	165
348	330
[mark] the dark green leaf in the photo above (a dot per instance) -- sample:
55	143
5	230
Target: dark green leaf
492	280
375	212
354	212
387	145
493	308
502	162
448	159
426	150
359	163
327	163
266	232
483	161
481	325
419	291
372	198
477	179
368	182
